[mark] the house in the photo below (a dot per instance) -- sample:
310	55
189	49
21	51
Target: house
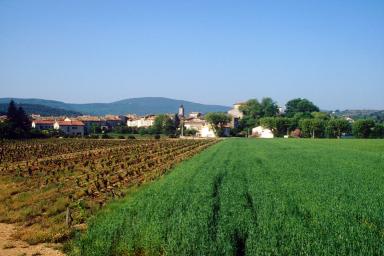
144	121
262	132
236	114
194	123
91	123
207	132
123	119
113	121
203	128
195	115
349	119
70	127
43	125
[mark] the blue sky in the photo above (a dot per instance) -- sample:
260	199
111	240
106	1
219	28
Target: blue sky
217	52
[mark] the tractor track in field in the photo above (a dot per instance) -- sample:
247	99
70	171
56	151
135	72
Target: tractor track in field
218	180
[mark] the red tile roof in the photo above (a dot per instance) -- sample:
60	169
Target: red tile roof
112	118
70	123
89	118
51	122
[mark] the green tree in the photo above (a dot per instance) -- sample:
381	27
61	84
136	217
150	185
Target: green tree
320	115
279	125
363	128
17	125
268	122
217	120
12	112
176	120
268	107
158	124
336	127
169	127
378	131
163	124
300	105
254	110
312	128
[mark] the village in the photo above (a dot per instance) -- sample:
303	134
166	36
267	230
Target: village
300	118
193	123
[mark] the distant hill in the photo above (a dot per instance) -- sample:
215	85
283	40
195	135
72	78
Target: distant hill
41	110
362	114
140	106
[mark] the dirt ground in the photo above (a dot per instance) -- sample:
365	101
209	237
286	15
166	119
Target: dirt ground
12	247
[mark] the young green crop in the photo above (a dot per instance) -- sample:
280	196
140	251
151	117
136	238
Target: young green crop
254	197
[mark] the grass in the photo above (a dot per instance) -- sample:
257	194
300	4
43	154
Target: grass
253	197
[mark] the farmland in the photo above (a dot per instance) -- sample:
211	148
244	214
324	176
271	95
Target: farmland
51	187
253	197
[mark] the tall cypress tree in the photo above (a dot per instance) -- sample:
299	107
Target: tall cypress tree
23	121
19	125
12	112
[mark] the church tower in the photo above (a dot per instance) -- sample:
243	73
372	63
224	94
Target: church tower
181	111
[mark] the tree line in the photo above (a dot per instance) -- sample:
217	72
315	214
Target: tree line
302	118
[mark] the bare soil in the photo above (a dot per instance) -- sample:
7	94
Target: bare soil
13	247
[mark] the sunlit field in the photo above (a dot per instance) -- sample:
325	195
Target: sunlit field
253	197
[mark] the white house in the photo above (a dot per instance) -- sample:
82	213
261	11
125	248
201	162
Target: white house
145	121
43	124
206	131
70	127
236	114
194	123
195	115
262	132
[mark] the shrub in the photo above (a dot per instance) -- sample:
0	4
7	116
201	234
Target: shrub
363	128
105	136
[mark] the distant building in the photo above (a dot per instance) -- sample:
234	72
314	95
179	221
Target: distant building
91	123
349	119
203	128
70	127
194	115
262	132
137	121
67	126
236	114
43	125
181	111
207	132
112	121
194	123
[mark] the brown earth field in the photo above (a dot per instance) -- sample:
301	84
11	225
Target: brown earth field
41	181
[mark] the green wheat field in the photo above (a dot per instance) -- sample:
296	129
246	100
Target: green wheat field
253	197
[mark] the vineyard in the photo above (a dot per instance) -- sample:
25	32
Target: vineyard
253	197
51	187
